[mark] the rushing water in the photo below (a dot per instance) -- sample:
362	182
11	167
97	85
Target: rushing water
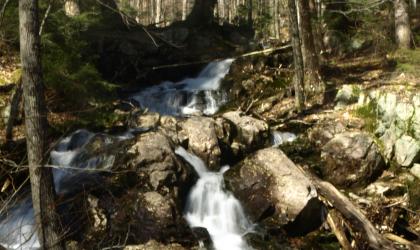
189	96
75	164
76	155
278	138
212	207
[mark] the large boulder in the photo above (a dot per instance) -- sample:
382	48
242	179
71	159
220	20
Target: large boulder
200	135
275	192
145	195
251	133
351	159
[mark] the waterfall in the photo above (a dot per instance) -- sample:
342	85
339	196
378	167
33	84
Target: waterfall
189	96
212	207
278	138
78	162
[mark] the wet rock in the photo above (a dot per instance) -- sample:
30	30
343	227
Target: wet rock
202	235
97	218
148	121
168	126
251	133
154	245
200	135
415	170
407	151
351	159
274	191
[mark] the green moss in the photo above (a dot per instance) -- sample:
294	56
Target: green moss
408	61
369	114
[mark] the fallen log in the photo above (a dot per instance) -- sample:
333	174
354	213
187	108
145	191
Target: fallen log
353	214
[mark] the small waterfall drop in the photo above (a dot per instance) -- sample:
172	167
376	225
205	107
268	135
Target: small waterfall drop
278	138
189	96
212	207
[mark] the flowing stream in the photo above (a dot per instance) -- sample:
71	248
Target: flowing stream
209	205
212	207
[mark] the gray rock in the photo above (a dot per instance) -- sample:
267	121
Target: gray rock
323	132
251	133
348	94
154	245
407	151
415	170
386	107
351	159
273	190
200	135
404	113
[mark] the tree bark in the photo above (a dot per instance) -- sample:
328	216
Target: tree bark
202	13
42	188
297	55
14	111
402	24
314	86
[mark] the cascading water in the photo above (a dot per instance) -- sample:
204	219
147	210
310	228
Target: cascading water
73	160
278	138
209	205
189	96
212	207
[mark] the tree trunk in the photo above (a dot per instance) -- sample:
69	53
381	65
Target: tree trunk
184	9
314	87
402	24
14	111
297	55
202	13
42	188
158	12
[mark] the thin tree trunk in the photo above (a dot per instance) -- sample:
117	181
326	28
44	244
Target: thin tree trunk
14	111
402	24
297	55
202	13
314	86
42	188
250	21
184	9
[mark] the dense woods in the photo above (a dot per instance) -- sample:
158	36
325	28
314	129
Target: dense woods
209	124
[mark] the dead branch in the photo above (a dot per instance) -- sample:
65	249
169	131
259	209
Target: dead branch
47	12
6	88
353	214
338	230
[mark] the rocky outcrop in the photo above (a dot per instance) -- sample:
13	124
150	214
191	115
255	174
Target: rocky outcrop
251	133
346	95
351	159
199	134
146	194
154	245
275	192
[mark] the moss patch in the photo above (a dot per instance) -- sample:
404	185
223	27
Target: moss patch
369	114
408	61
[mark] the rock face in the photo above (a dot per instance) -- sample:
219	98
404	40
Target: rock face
154	245
407	151
146	194
351	159
200	135
274	191
251	133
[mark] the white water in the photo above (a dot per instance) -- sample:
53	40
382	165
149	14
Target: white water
212	207
189	96
278	138
220	212
17	226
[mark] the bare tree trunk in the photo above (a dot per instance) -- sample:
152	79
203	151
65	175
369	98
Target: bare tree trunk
297	55
14	111
402	24
184	9
42	188
202	12
314	86
158	12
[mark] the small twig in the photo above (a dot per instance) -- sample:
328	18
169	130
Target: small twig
47	12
